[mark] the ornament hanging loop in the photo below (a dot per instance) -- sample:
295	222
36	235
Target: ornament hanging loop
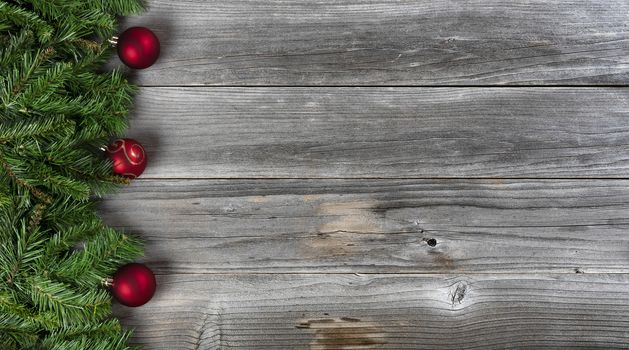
113	41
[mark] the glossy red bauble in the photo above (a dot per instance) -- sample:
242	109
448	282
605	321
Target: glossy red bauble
133	284
138	47
128	156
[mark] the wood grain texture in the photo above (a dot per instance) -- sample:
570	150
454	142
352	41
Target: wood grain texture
368	226
388	42
324	312
338	218
383	132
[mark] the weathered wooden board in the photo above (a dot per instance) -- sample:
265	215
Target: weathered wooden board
392	42
383	132
297	218
205	311
367	226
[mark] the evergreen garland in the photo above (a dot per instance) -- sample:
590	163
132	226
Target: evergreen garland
56	112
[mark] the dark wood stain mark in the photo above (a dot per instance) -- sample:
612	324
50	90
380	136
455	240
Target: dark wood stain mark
326	245
443	260
344	333
351	217
343	227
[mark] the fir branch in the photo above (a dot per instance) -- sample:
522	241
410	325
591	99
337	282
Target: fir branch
24	319
29	64
99	257
11	14
31	127
68	237
56	110
36	192
16	333
109	334
117	342
71	306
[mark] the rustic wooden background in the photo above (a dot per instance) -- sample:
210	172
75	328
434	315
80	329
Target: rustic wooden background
383	174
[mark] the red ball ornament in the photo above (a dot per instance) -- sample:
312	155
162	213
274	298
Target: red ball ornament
138	47
128	156
133	284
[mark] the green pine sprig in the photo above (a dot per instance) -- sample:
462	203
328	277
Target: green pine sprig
57	109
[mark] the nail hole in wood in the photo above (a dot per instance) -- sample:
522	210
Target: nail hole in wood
431	242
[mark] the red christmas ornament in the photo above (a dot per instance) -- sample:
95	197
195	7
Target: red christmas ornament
133	284
138	47
128	156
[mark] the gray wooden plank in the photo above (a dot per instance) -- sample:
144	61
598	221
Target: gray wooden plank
391	42
208	132
201	311
377	226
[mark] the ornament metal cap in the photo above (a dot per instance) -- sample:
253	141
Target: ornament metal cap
107	282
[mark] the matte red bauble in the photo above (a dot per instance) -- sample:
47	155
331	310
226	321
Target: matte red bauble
138	47
128	156
133	284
